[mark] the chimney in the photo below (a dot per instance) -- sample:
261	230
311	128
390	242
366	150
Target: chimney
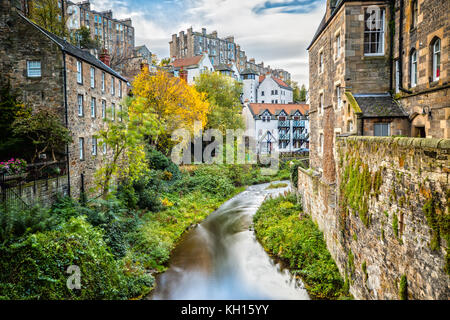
105	57
204	31
214	34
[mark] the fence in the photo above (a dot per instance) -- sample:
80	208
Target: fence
40	182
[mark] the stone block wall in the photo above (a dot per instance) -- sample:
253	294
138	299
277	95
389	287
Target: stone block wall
387	216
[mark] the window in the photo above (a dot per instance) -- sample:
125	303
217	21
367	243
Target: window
113	89
381	129
262	93
321	103
320	62
34	69
414	13
413	68
92	77
338	46
104	147
94	146
321	143
374	31
79	72
436	59
103	109
113	112
80	105
397	76
103	81
81	147
338	95
120	89
93	111
120	113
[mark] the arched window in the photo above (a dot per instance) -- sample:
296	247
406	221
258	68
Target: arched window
413	64
436	50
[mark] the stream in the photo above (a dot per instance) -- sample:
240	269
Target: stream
221	259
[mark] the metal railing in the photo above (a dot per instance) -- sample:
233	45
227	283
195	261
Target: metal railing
283	124
299	124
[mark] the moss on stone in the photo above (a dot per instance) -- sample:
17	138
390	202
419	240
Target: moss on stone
403	289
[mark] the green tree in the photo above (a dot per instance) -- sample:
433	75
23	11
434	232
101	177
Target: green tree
82	38
44	131
223	93
303	93
48	15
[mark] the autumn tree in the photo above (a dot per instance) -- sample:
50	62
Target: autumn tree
223	94
48	15
124	144
173	103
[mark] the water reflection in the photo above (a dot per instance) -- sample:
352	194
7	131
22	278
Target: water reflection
221	258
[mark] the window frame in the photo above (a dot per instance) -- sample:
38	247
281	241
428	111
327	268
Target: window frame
79	72
413	68
93	107
81	148
94	146
436	67
29	68
103	109
92	74
103	82
381	31
80	105
382	124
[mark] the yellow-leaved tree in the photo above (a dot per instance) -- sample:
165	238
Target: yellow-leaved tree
173	103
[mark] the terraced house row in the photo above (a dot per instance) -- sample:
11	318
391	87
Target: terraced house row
55	75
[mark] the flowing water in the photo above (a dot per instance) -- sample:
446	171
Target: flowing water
221	258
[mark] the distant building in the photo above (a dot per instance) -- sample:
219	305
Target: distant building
277	127
143	52
222	51
265	89
190	68
53	74
229	70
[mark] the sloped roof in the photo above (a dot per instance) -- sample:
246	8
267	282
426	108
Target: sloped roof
223	67
281	83
274	109
379	106
75	51
248	71
187	62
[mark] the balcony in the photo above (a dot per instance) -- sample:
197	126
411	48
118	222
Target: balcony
300	136
283	124
299	124
285	136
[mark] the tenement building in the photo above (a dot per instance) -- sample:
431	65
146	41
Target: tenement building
53	74
222	51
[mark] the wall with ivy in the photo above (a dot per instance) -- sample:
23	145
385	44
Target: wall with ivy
387	219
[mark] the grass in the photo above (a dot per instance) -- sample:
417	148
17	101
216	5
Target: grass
300	244
277	185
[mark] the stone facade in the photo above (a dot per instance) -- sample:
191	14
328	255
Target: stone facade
427	100
396	226
58	88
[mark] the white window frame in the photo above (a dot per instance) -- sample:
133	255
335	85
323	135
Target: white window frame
120	113
381	31
94	146
79	72
93	107
338	95
103	82
436	59
92	77
120	89
81	148
113	89
34	69
397	76
80	98
103	109
413	71
104	147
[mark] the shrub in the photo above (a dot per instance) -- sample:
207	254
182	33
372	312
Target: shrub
158	161
35	267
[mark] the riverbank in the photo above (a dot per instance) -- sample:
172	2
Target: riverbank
299	243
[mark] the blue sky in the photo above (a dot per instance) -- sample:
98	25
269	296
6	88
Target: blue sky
276	32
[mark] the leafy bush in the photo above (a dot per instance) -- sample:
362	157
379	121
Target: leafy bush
300	243
158	161
35	267
213	179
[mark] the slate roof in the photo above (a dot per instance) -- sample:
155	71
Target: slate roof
75	51
258	108
248	71
379	106
223	67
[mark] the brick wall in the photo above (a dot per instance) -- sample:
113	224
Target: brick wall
387	229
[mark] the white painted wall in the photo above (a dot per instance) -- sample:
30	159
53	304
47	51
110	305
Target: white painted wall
283	95
204	64
249	89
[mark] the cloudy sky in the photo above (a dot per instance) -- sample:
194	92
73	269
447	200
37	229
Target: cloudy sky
276	32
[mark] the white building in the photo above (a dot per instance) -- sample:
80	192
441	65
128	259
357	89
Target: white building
265	89
274	90
190	68
277	127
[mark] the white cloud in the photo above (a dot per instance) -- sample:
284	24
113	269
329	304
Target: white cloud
278	39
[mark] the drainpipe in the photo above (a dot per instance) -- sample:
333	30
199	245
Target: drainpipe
391	45
66	117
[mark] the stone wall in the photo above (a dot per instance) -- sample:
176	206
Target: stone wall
387	217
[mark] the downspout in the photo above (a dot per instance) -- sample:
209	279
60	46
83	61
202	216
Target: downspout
66	117
391	45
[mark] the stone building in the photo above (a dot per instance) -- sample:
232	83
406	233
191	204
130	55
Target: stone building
51	73
220	50
421	65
